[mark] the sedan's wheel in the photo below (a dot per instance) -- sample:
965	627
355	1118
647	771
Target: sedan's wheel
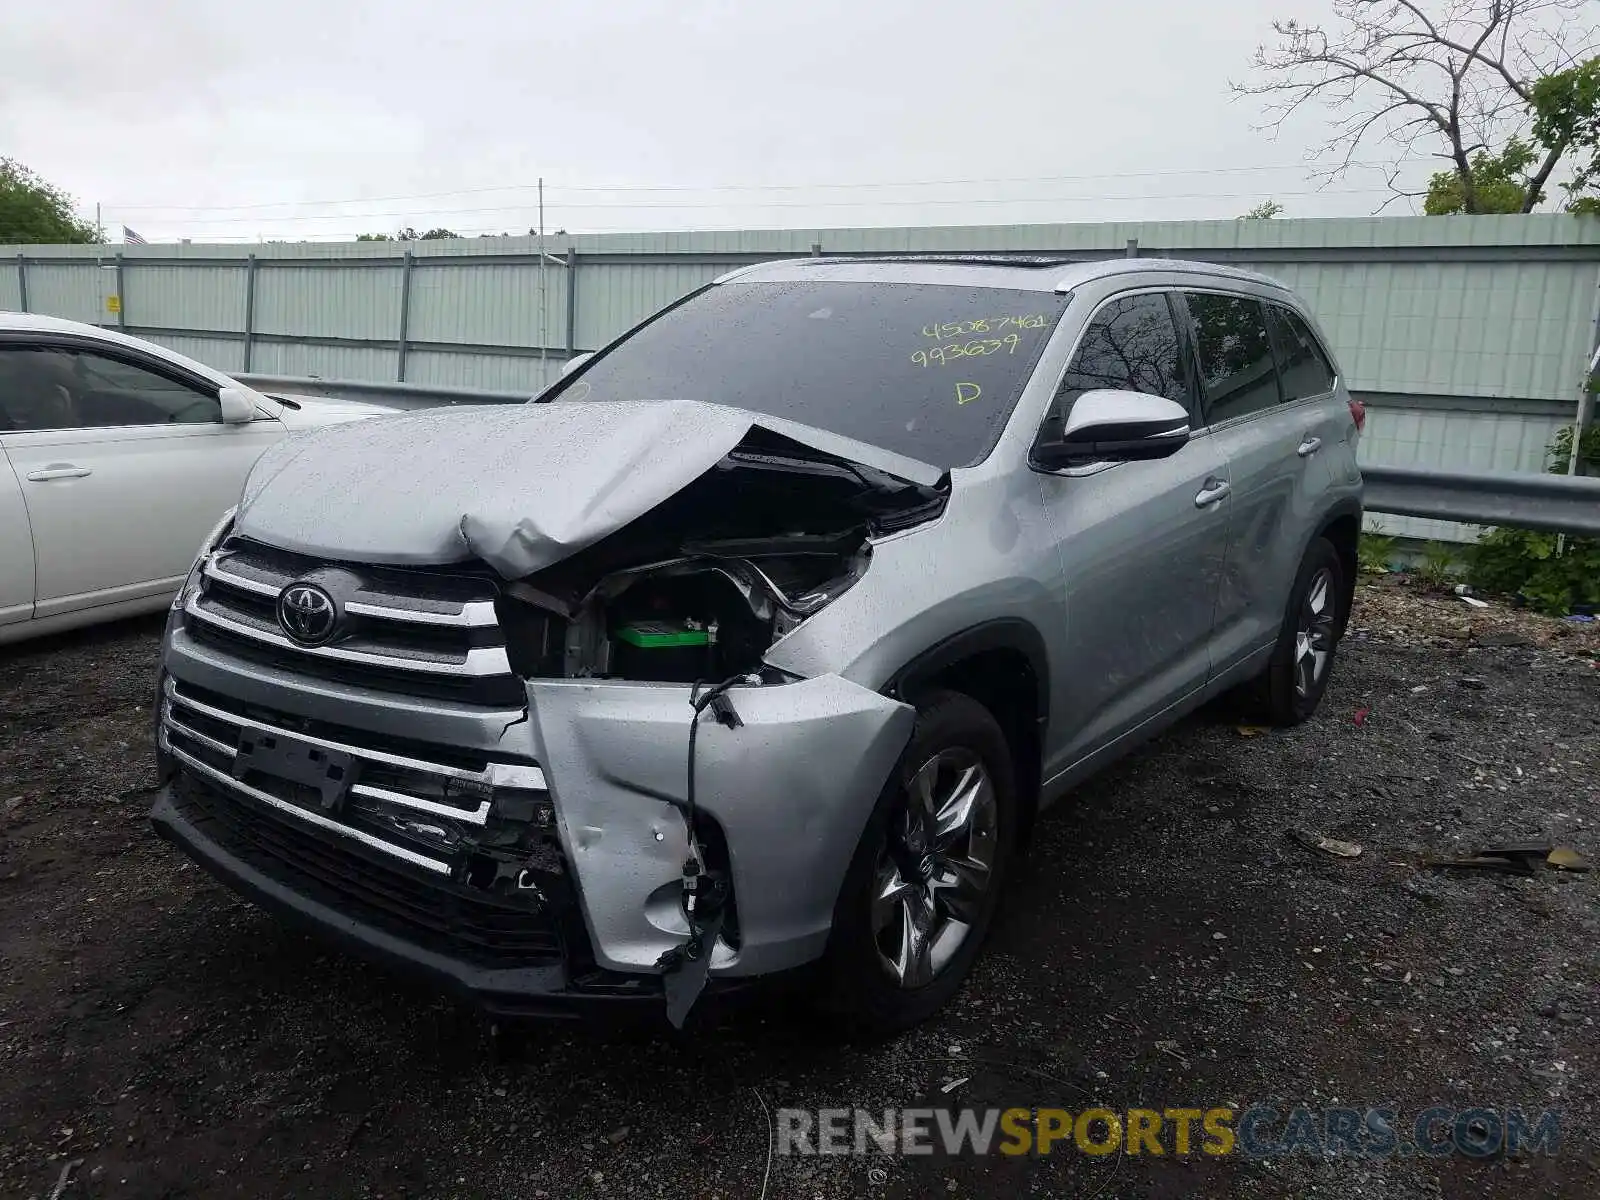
935	868
921	891
1297	675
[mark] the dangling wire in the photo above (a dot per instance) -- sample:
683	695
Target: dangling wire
714	697
682	990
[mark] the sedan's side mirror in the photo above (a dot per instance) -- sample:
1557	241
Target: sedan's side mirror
238	407
576	361
1115	426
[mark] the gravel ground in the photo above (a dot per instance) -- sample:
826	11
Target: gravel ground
1166	944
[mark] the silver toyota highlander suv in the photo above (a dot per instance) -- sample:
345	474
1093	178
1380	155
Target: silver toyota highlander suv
758	641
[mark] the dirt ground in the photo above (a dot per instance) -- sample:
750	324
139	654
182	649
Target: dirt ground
1166	944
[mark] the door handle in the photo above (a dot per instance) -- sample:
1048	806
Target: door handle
1309	447
1214	490
59	471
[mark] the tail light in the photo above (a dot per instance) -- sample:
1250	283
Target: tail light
1358	414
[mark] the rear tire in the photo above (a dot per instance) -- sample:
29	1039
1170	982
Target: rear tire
1292	686
920	893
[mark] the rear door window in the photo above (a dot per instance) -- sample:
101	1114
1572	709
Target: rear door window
1302	365
1234	350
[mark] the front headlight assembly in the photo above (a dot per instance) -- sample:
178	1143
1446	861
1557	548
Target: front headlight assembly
191	582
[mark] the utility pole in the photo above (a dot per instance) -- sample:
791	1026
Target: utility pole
542	328
99	229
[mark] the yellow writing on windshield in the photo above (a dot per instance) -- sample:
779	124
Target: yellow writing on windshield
966	393
977	348
943	330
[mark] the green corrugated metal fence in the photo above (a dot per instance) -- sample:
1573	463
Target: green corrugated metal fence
1469	336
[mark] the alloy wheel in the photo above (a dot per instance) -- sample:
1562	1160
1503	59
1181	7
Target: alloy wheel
936	868
1314	635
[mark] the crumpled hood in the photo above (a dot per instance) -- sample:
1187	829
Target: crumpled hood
519	486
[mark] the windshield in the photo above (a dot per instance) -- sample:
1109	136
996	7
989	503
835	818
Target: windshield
928	371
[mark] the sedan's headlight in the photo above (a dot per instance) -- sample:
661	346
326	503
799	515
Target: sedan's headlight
191	582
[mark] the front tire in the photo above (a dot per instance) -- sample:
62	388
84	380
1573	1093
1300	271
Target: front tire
921	890
1302	662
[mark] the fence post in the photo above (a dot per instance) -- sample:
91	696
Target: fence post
1577	464
249	310
1584	417
572	301
122	308
405	315
22	281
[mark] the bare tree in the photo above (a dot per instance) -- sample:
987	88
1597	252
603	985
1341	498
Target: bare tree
1455	76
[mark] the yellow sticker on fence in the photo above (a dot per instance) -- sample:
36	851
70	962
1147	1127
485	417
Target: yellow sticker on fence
113	304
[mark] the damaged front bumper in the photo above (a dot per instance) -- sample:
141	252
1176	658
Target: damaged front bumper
546	985
790	790
784	797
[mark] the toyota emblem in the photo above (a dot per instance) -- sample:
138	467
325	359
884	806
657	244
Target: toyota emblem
307	613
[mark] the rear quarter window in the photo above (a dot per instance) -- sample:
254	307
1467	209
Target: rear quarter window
1303	365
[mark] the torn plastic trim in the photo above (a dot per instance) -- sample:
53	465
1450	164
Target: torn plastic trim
791	791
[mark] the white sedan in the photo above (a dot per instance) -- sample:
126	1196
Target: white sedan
116	458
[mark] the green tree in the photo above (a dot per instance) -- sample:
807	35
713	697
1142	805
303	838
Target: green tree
1566	108
408	234
1264	211
1499	181
33	211
1454	78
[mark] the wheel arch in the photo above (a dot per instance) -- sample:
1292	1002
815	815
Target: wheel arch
1004	665
1341	526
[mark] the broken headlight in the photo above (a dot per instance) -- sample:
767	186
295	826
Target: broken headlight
191	581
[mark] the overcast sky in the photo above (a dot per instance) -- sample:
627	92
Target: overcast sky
224	121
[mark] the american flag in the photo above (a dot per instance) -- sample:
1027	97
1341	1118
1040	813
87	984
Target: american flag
132	238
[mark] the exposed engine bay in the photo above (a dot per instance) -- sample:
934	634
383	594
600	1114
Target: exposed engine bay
699	587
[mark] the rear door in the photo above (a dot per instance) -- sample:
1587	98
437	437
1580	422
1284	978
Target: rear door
1270	426
16	549
123	463
1142	543
1311	384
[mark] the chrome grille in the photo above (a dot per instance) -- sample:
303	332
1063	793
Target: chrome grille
417	807
419	632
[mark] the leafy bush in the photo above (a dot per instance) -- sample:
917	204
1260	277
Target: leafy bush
1553	572
1560	451
1374	552
1437	570
1552	577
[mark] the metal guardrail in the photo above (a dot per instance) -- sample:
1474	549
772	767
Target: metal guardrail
1555	503
395	395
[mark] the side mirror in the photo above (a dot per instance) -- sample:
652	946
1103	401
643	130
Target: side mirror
1115	426
576	361
237	406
